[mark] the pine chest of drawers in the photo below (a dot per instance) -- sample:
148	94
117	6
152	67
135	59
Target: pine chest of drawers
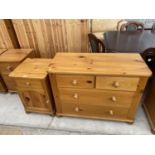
9	60
33	85
104	86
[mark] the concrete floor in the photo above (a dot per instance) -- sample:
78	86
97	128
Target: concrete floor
13	120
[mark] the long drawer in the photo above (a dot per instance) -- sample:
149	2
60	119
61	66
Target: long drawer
98	111
75	81
96	97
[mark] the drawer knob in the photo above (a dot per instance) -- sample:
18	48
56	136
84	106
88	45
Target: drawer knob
113	98
76	96
116	84
74	82
111	112
47	101
9	68
77	109
28	83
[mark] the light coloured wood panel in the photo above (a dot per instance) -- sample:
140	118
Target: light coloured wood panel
75	81
96	97
117	83
8	37
49	36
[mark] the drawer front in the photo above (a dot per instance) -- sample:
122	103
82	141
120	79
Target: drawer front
28	83
9	82
8	67
75	81
98	111
117	83
96	97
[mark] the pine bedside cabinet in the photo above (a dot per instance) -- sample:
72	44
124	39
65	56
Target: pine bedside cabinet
33	85
2	85
9	60
98	85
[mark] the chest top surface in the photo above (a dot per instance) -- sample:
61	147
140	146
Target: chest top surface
15	55
122	64
32	68
2	50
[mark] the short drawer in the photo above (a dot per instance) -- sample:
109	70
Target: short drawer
75	81
117	83
7	67
96	97
95	111
28	83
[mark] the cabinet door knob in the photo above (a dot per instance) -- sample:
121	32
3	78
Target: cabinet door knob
116	84
76	96
77	109
113	98
28	83
9	68
74	82
111	112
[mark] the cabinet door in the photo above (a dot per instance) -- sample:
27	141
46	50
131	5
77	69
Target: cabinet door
36	101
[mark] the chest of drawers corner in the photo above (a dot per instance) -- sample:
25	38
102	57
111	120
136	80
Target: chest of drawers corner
33	86
102	86
9	60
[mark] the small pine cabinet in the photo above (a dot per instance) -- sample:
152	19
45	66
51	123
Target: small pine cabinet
32	84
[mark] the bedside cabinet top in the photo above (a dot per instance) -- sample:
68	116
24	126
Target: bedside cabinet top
122	64
2	50
32	68
15	55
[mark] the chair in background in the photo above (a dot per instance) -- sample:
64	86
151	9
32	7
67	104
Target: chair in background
149	57
99	26
132	26
96	44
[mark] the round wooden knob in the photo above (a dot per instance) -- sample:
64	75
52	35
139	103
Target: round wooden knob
77	109
74	82
47	101
28	83
113	98
116	84
9	68
76	96
111	112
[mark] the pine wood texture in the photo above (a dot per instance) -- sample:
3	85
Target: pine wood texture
121	64
32	84
48	36
2	51
9	60
149	104
8	37
103	86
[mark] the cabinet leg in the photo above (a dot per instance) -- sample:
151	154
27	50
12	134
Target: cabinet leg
27	112
59	116
130	123
153	131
